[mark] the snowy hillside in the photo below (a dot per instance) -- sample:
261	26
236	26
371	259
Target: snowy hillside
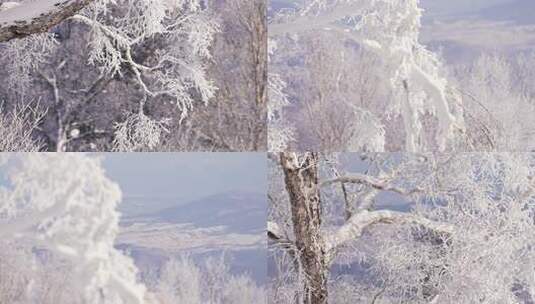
174	238
457	7
518	11
220	210
464	31
206	227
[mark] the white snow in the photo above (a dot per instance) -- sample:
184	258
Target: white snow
65	204
8	5
27	10
391	29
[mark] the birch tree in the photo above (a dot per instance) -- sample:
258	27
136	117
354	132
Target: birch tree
446	246
310	246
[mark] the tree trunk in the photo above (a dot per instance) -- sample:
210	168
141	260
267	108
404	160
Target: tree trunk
301	177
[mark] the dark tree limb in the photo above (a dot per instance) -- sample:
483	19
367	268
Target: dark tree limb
29	18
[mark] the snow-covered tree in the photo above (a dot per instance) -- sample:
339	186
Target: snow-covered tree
280	132
17	126
237	120
58	228
410	228
341	85
183	280
488	84
65	205
163	47
390	30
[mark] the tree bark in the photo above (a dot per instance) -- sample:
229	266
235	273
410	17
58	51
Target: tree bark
314	250
36	17
301	177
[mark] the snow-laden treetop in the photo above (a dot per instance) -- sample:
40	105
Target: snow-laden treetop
389	28
65	204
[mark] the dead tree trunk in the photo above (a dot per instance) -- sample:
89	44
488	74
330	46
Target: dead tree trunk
301	177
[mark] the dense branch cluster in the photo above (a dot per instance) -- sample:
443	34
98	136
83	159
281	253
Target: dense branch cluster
390	30
425	229
162	46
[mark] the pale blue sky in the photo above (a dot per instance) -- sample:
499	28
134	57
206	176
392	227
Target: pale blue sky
186	175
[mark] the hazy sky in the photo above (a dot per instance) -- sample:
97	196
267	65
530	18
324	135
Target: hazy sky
446	5
186	175
435	8
459	6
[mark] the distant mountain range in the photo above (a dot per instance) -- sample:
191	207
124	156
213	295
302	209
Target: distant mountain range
458	7
134	206
154	230
239	211
520	11
503	26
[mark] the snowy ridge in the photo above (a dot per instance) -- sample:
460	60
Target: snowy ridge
174	238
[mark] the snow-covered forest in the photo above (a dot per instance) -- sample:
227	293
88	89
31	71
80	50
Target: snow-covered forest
385	151
402	228
401	75
106	75
59	226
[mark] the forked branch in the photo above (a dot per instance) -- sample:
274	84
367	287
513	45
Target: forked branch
375	183
355	226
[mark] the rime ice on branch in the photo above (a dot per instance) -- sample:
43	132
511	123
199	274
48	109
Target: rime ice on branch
390	29
466	233
177	72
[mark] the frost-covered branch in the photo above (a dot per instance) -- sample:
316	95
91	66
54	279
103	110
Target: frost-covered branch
390	29
17	127
305	21
280	132
273	231
373	182
354	227
163	47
